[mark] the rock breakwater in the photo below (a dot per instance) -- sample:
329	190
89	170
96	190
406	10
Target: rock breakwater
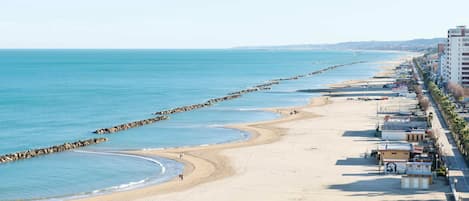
198	106
266	86
126	126
49	150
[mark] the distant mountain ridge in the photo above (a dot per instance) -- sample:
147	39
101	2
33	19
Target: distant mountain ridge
407	45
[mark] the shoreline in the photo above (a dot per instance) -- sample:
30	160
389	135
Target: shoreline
206	163
203	164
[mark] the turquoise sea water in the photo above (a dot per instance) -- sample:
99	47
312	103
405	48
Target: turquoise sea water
49	97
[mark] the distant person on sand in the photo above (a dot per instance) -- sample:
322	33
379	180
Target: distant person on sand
181	155
181	177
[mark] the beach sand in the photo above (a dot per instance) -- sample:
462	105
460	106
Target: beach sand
314	154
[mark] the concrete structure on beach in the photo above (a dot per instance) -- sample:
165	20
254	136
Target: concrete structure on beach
394	157
403	128
418	175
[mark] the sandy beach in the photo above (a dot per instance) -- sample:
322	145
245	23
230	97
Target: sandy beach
313	152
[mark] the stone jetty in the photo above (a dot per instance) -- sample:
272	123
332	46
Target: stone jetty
126	126
237	94
233	95
198	106
49	150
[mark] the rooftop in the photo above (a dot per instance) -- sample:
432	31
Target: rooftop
395	146
404	125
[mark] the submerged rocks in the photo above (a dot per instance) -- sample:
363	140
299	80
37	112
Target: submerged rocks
126	126
54	149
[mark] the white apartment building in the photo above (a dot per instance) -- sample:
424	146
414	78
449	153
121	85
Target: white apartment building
456	69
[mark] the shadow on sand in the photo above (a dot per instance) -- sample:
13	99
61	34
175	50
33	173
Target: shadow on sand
364	133
383	186
361	161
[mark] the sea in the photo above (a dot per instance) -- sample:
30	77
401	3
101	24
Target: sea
49	97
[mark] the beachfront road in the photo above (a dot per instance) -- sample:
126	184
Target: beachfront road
457	166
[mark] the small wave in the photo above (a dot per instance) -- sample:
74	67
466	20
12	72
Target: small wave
120	187
216	126
235	109
163	168
248	109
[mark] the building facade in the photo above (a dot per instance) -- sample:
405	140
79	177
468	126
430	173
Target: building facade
418	175
456	69
394	157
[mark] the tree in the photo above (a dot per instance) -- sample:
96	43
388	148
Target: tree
457	90
424	103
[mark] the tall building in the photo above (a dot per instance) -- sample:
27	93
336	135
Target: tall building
456	69
440	74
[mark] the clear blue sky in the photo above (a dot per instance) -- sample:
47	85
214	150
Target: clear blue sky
220	24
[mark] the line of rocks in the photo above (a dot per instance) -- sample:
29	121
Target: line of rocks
49	150
198	106
82	143
237	94
126	126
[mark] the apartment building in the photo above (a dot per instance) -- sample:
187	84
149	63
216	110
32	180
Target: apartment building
456	69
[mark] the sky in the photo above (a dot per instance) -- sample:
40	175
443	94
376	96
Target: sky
220	23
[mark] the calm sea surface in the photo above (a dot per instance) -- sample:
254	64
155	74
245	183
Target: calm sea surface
49	97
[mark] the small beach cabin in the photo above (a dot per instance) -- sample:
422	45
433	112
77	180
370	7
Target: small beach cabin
418	175
401	128
394	157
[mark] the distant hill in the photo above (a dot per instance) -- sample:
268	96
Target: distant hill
408	45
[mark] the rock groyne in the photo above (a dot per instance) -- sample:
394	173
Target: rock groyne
210	102
237	94
49	150
126	126
198	106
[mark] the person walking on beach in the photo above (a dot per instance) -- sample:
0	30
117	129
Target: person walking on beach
181	155
181	177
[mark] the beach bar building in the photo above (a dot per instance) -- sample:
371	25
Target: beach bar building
403	128
418	175
394	157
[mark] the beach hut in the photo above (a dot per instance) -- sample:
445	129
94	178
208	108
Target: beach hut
418	175
394	157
